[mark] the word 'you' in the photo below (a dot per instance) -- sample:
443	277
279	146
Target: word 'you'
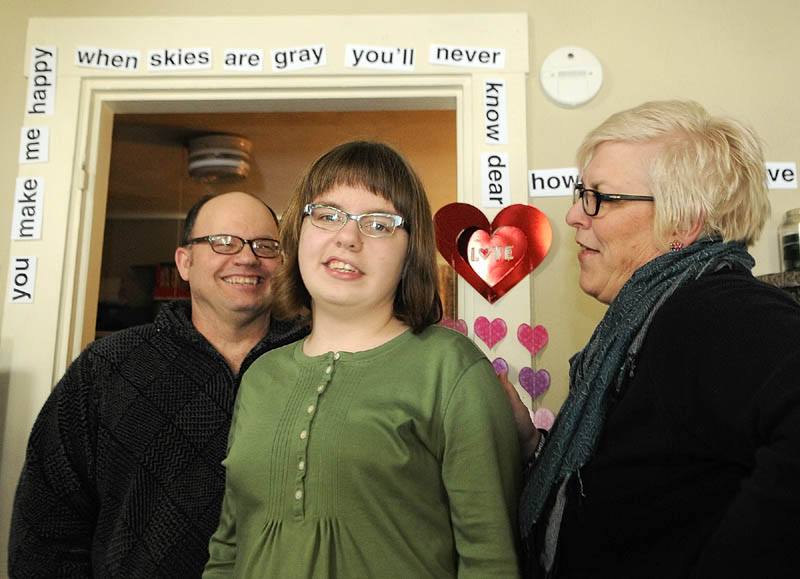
23	280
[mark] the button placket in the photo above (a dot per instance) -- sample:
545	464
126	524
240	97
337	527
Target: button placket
309	411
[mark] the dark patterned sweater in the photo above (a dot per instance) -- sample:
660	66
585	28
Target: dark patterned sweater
122	476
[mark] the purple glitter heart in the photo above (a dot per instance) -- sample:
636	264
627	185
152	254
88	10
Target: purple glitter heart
500	365
534	383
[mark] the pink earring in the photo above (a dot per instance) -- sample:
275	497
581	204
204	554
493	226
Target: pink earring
675	246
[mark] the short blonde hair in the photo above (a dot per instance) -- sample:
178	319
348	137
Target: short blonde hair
709	167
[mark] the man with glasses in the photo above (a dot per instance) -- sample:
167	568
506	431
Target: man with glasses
123	473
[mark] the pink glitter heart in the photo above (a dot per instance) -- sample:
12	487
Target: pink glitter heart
543	418
500	365
534	383
490	332
534	339
460	325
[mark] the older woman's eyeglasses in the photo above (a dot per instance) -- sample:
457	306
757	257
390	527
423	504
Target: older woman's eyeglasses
591	199
370	224
227	244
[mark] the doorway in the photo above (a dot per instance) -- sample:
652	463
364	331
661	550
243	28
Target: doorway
149	188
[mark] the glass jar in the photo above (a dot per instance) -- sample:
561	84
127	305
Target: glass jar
790	240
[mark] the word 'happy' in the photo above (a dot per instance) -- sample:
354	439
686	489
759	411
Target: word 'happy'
42	81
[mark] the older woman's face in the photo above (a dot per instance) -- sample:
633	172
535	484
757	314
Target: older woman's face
619	239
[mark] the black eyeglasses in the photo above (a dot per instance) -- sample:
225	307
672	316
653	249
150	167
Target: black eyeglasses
370	224
591	199
227	244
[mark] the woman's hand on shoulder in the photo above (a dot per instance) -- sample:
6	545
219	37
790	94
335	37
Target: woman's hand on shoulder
526	431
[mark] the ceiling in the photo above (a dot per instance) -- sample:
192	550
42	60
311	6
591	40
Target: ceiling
148	171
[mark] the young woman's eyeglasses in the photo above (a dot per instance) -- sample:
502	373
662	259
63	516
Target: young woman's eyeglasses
591	199
370	224
227	244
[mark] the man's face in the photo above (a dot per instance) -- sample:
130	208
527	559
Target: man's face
229	288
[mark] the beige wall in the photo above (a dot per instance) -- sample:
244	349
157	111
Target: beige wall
737	57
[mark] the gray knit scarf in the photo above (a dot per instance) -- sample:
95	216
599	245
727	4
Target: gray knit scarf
601	368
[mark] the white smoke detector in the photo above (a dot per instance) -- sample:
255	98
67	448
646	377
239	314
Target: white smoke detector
571	76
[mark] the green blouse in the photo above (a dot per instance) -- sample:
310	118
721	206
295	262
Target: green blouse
400	461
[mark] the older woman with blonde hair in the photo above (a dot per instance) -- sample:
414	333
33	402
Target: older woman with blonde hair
677	451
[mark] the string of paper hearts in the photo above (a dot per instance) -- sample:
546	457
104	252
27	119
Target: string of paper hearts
491	332
535	383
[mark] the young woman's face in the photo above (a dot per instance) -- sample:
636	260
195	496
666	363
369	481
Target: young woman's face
346	269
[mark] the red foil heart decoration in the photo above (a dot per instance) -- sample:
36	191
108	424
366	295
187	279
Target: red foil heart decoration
495	257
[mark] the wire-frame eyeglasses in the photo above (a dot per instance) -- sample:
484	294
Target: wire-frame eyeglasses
228	244
370	224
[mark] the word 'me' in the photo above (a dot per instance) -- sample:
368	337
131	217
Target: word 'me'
23	280
552	182
107	58
494	112
42	81
34	144
467	56
496	191
379	57
26	222
169	59
298	58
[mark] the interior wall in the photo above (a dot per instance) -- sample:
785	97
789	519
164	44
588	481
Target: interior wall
733	56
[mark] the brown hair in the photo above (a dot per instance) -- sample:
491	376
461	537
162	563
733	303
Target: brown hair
381	170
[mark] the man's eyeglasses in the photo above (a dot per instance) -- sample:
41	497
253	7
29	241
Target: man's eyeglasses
227	244
591	199
370	224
